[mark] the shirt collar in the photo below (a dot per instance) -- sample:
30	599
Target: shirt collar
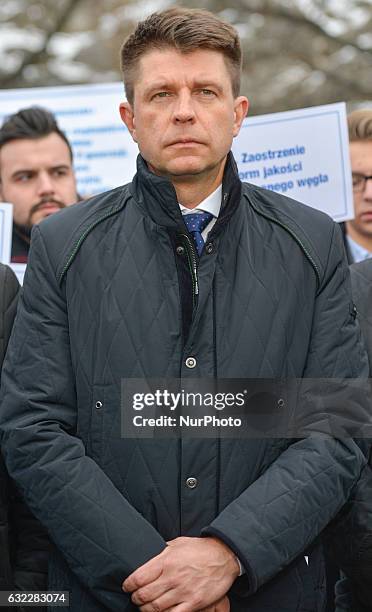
211	204
358	252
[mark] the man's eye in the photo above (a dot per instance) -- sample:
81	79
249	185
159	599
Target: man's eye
207	92
60	172
22	178
161	94
357	179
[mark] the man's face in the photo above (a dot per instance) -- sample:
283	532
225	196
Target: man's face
184	115
361	163
37	178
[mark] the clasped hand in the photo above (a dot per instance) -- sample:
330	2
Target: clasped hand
191	574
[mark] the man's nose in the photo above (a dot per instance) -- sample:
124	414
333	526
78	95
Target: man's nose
45	184
368	190
184	108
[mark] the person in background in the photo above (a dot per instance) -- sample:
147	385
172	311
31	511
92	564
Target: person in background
361	282
36	172
350	536
23	541
9	288
358	231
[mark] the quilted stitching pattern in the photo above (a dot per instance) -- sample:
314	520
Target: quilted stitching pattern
125	321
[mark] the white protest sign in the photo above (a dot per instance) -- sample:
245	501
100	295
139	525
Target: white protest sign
6	225
303	154
19	270
104	153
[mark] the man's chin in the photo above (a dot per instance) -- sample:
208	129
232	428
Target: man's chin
187	168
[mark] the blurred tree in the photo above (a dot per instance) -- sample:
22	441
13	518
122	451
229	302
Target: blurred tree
296	52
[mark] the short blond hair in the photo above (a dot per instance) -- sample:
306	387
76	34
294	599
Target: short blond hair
360	125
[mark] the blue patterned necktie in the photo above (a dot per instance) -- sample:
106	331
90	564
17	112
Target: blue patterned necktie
196	223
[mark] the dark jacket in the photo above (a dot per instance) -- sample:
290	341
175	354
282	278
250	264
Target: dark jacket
23	542
361	280
351	544
9	288
110	293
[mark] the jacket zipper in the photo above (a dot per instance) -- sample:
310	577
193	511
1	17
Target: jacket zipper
295	237
193	266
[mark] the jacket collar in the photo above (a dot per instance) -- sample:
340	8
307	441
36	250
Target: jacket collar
157	197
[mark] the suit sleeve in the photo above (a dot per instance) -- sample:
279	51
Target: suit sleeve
280	514
102	537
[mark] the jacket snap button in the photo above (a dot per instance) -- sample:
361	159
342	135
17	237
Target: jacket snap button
209	248
99	405
191	483
190	362
281	403
180	250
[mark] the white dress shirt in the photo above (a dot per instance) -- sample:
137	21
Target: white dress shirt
358	253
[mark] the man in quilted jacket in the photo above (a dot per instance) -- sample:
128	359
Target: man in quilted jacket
186	273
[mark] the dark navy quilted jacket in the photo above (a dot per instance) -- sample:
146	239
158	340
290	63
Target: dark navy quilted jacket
108	294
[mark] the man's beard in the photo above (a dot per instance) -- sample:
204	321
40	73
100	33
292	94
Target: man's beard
25	229
35	207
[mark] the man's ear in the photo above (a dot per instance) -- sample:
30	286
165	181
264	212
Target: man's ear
241	105
127	116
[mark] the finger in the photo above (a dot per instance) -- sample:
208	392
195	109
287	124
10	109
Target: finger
183	607
150	592
147	573
171	601
179	608
167	601
224	606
